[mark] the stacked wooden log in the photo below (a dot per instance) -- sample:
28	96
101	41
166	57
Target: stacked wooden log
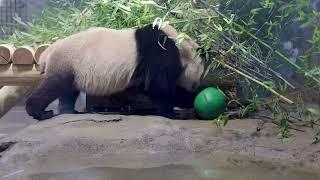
19	65
24	55
19	73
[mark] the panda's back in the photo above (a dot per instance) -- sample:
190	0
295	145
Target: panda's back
102	60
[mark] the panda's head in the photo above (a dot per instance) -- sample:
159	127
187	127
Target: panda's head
193	64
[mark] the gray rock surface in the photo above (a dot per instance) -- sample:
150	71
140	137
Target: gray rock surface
73	142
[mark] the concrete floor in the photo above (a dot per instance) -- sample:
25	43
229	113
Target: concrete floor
86	146
15	120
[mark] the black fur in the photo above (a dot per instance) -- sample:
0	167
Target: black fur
52	87
157	72
158	67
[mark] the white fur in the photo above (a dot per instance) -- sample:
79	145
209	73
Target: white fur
104	60
97	57
194	67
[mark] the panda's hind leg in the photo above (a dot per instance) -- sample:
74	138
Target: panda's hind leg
51	88
67	101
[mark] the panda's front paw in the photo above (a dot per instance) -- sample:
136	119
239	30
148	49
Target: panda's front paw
44	115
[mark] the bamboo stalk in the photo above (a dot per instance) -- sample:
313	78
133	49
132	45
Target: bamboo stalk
259	61
279	54
264	44
255	58
258	82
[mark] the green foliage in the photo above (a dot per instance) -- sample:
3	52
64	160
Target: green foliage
316	139
273	21
66	19
312	112
284	128
251	107
313	121
221	121
258	28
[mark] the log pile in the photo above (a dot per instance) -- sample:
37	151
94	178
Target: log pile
19	73
24	55
19	65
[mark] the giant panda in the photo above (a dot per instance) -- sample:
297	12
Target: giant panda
101	61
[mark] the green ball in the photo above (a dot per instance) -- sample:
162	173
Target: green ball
210	103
